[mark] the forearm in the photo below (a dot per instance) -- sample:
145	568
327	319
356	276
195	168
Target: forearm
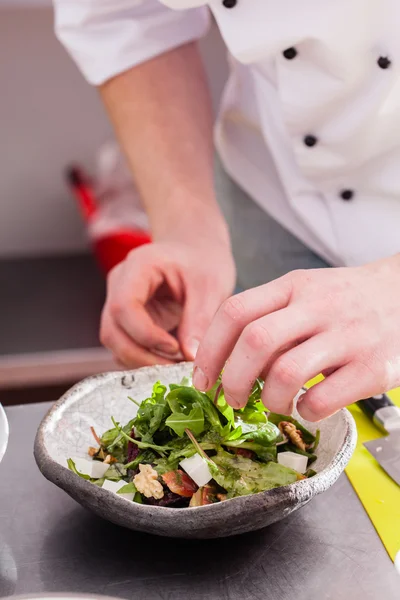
162	115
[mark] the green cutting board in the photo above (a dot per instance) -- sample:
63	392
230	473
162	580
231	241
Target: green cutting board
379	494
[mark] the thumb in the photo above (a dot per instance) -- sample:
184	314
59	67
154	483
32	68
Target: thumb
199	308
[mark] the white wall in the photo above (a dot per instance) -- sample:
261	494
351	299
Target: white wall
49	117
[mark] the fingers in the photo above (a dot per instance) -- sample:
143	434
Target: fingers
257	346
201	304
129	289
348	384
128	354
291	371
233	316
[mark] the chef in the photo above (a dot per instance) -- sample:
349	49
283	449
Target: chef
307	178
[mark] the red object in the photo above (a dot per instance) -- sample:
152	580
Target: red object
180	483
109	249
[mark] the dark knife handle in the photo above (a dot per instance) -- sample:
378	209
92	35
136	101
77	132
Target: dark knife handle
370	405
381	410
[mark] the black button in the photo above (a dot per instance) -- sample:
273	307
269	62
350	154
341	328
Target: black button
229	3
310	140
384	62
290	53
347	195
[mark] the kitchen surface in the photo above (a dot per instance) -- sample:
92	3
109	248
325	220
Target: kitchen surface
328	550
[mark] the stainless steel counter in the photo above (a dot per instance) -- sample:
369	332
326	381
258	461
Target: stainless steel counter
49	320
327	551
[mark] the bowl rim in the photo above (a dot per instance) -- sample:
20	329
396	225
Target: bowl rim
50	468
4	429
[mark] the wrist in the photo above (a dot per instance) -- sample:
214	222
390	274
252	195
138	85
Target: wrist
188	219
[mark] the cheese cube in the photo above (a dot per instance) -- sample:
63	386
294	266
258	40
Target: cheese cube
115	486
197	468
294	461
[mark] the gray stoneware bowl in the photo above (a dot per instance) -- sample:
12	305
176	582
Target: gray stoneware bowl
65	432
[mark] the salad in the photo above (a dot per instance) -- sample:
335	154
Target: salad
185	448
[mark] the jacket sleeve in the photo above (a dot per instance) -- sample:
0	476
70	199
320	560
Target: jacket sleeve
107	37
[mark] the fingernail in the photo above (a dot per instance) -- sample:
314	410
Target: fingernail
232	401
167	348
200	379
193	346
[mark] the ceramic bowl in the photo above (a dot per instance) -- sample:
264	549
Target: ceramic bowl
65	432
4	432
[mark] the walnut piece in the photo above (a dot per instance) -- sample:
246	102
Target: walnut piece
92	451
294	435
146	482
109	459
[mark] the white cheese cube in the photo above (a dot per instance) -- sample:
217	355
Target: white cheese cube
197	468
294	461
94	468
115	486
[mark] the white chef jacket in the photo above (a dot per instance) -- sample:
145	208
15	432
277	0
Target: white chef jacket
309	123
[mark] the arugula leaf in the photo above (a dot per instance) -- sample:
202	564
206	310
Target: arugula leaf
317	438
255	395
221	404
181	399
185	382
179	421
114	442
252	415
134	401
275	418
152	413
233	435
143	445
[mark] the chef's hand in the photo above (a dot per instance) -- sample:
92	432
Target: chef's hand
162	287
344	323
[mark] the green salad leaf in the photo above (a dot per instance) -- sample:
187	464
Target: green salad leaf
152	413
139	443
241	476
179	421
